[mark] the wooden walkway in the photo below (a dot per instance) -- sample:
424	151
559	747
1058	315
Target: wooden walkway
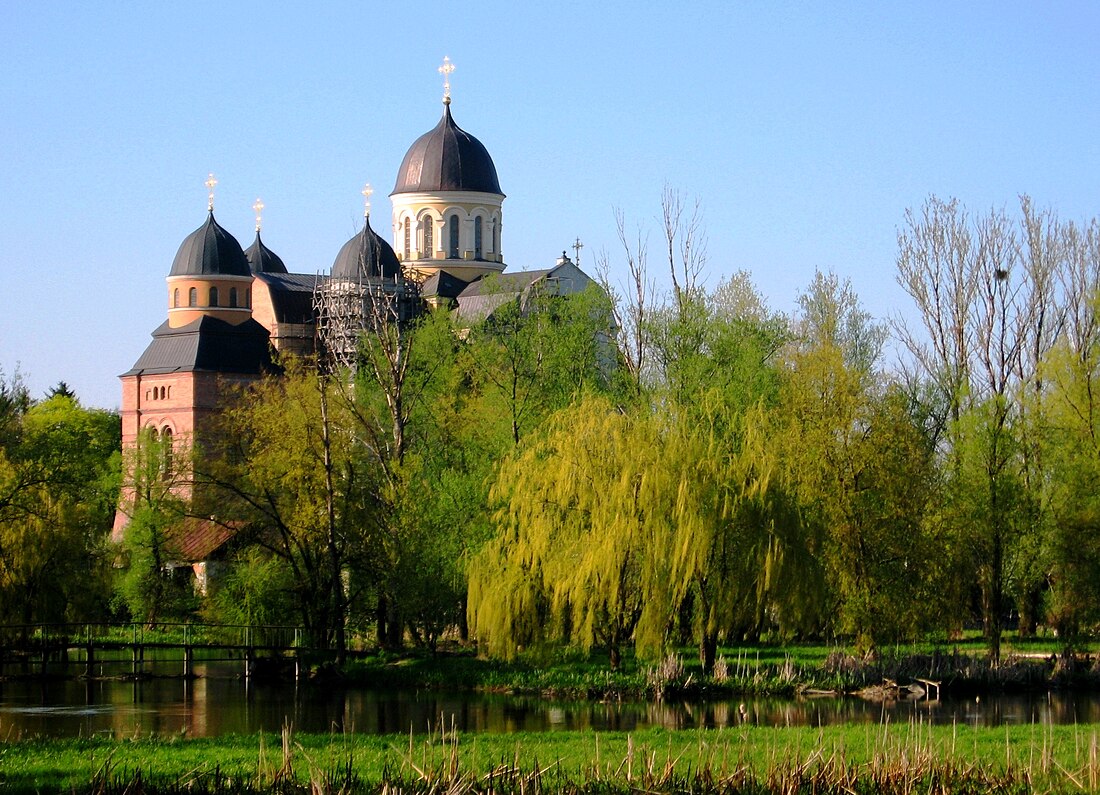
96	649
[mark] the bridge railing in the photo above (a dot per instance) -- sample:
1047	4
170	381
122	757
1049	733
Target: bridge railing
191	633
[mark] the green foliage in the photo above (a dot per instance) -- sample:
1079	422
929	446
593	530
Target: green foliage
149	589
256	590
292	478
58	488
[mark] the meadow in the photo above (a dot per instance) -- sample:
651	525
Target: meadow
872	758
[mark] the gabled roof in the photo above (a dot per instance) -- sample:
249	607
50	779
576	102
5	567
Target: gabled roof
207	344
483	297
194	539
291	295
442	284
501	283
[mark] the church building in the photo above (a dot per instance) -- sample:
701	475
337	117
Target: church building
229	308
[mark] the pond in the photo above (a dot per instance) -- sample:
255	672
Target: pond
215	705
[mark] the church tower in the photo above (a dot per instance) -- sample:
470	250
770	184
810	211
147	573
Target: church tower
447	202
208	346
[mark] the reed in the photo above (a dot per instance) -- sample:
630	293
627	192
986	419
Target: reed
909	758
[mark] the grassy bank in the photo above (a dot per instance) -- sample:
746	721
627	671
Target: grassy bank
749	670
837	759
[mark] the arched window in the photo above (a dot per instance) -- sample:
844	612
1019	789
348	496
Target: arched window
166	437
175	298
427	225
408	235
496	239
169	391
213	296
477	237
232	297
452	250
193	297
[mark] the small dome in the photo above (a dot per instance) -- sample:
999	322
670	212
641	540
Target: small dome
447	158
366	256
210	251
261	259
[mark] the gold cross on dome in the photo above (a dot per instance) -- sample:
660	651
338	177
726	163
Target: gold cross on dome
367	191
210	183
446	70
258	208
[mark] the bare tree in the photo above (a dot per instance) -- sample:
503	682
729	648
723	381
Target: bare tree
986	290
630	312
686	241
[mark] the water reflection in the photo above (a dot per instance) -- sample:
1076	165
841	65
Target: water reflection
215	706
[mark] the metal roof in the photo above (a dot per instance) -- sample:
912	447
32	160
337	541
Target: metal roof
210	251
498	283
447	158
261	259
366	256
291	295
442	284
207	344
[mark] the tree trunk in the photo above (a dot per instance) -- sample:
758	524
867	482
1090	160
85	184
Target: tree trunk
463	625
380	612
1030	606
708	652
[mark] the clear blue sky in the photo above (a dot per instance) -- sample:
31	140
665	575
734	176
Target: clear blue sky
805	129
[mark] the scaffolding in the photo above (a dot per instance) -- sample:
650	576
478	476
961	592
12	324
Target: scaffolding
346	309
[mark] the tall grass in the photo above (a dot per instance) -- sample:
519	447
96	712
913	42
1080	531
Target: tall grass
908	758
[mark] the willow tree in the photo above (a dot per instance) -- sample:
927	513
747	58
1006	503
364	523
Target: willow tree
611	520
58	490
573	552
738	550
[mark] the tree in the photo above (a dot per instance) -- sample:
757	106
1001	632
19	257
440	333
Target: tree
574	536
292	478
1071	442
863	466
986	292
58	489
534	355
146	585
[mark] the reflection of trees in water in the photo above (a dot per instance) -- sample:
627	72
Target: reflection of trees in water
210	707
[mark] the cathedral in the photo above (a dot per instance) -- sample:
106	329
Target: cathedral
230	308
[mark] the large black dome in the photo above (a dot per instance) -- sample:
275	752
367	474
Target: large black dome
447	158
366	256
210	251
261	259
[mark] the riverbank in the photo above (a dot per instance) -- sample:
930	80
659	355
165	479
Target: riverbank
960	669
869	758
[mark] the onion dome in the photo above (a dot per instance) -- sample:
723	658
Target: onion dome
447	159
366	256
261	259
210	251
